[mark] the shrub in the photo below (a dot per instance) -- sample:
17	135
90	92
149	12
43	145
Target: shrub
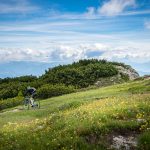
10	102
125	77
80	74
48	90
8	93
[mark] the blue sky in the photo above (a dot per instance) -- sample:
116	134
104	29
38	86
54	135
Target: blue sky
38	34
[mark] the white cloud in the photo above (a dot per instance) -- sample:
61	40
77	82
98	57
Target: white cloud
129	54
53	53
134	13
38	26
147	24
65	52
16	6
109	8
91	13
115	7
133	52
23	54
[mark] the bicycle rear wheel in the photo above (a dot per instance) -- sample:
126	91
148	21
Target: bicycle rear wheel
36	104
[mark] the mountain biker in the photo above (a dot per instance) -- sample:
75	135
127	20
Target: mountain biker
31	91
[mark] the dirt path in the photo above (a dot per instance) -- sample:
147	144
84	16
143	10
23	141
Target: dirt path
13	110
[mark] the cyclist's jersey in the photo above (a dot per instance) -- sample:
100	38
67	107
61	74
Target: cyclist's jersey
31	91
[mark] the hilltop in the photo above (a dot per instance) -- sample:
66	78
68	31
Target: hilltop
87	72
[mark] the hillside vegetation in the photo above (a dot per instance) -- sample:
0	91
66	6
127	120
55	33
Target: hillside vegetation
113	117
65	79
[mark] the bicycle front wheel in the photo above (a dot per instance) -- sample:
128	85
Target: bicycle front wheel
36	104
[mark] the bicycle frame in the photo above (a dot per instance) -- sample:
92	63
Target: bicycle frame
29	102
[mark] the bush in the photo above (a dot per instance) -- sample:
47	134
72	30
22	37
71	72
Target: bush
47	91
80	74
10	102
8	93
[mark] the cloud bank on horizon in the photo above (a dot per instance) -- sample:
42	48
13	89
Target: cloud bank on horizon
62	32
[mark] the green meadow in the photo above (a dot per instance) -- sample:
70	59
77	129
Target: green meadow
89	119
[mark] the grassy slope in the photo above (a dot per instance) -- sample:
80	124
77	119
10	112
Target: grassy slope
82	120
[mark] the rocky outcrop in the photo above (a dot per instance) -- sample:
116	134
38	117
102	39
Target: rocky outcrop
129	71
125	73
109	81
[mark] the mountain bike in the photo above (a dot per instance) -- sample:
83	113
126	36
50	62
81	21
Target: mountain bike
30	103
